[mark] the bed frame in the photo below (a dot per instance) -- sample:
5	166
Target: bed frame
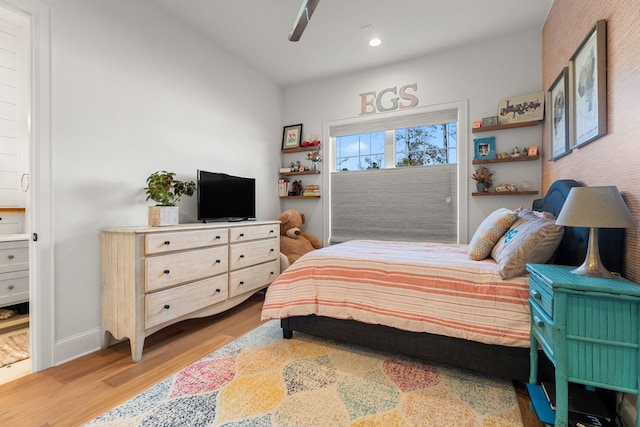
509	362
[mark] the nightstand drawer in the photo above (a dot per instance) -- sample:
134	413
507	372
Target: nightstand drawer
542	294
542	327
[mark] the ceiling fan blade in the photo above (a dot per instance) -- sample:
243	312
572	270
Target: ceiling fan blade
304	15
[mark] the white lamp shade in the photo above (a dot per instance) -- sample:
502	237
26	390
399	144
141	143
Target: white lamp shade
599	207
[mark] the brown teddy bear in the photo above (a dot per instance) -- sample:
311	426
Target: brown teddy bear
293	242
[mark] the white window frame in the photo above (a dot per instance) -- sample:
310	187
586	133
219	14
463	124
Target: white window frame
462	158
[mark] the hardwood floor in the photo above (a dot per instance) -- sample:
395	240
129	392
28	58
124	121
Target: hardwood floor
78	391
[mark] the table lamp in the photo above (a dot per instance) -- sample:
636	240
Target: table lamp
595	207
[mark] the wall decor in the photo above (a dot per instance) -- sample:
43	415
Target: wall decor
291	136
588	71
524	108
558	106
388	99
485	148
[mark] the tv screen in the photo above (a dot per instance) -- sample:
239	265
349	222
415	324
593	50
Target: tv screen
223	197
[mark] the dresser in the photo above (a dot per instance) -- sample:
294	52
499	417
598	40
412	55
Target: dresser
588	327
153	277
14	269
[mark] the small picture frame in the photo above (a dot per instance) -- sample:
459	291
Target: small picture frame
291	136
485	148
588	72
532	151
558	106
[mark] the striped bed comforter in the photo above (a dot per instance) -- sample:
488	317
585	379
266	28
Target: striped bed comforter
418	287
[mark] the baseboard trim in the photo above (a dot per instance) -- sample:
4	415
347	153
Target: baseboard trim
76	346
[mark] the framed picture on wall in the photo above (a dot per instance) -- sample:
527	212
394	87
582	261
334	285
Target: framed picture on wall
558	113
588	71
485	148
291	136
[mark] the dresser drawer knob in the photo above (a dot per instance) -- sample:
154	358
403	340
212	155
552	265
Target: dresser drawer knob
241	234
217	291
241	256
272	273
10	257
538	322
11	287
167	242
167	271
537	295
272	231
217	237
242	283
218	261
271	250
167	307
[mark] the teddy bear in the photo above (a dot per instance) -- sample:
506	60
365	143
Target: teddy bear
293	241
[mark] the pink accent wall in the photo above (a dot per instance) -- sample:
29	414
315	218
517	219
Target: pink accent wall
613	159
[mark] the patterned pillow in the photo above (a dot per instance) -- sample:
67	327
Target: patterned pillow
490	230
530	240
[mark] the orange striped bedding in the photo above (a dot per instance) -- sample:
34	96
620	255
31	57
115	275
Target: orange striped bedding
414	286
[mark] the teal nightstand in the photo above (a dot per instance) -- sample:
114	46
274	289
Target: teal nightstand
588	327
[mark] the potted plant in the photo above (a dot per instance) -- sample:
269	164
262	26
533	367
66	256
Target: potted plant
166	191
483	177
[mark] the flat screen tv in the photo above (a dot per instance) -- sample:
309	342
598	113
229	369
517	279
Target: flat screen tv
223	197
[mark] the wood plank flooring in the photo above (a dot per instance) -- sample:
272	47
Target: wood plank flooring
78	391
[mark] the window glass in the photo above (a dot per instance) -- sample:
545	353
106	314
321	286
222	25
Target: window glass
360	152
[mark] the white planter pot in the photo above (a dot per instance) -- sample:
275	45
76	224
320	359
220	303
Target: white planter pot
162	216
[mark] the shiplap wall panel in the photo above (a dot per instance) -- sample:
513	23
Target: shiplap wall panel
414	204
614	158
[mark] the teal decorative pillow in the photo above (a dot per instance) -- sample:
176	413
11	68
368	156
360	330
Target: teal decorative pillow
490	230
530	240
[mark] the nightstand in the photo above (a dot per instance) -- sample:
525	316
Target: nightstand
588	327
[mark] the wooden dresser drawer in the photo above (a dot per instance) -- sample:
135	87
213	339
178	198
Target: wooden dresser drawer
243	234
14	287
157	243
252	278
247	254
542	294
14	256
168	270
173	303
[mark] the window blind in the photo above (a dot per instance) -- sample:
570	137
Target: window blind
395	122
410	204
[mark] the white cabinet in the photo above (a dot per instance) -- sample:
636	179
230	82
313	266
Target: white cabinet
14	272
156	276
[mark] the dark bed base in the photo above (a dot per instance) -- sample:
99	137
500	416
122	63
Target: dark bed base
507	362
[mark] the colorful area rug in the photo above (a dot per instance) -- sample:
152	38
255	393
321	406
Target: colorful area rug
262	379
14	348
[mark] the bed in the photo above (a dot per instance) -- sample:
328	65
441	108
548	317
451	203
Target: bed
428	300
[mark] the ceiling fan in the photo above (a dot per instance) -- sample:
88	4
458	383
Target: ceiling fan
304	15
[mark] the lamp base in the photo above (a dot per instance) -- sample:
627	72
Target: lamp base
592	265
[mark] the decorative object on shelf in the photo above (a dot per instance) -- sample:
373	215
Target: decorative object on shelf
477	124
523	108
588	70
490	121
485	148
296	188
532	151
166	191
559	115
595	207
483	177
315	157
526	185
311	141
291	136
506	187
295	166
517	153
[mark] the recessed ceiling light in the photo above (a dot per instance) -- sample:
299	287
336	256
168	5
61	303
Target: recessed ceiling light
375	42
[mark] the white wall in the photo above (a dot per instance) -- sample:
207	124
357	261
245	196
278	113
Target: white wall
482	73
134	91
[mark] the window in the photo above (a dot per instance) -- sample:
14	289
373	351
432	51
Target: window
396	178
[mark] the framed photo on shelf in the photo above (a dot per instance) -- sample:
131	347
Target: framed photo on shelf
588	73
532	151
558	106
291	136
485	148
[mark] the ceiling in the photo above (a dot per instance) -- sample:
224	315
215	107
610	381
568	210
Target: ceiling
335	42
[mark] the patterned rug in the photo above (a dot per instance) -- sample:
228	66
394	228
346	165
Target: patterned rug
262	379
14	348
